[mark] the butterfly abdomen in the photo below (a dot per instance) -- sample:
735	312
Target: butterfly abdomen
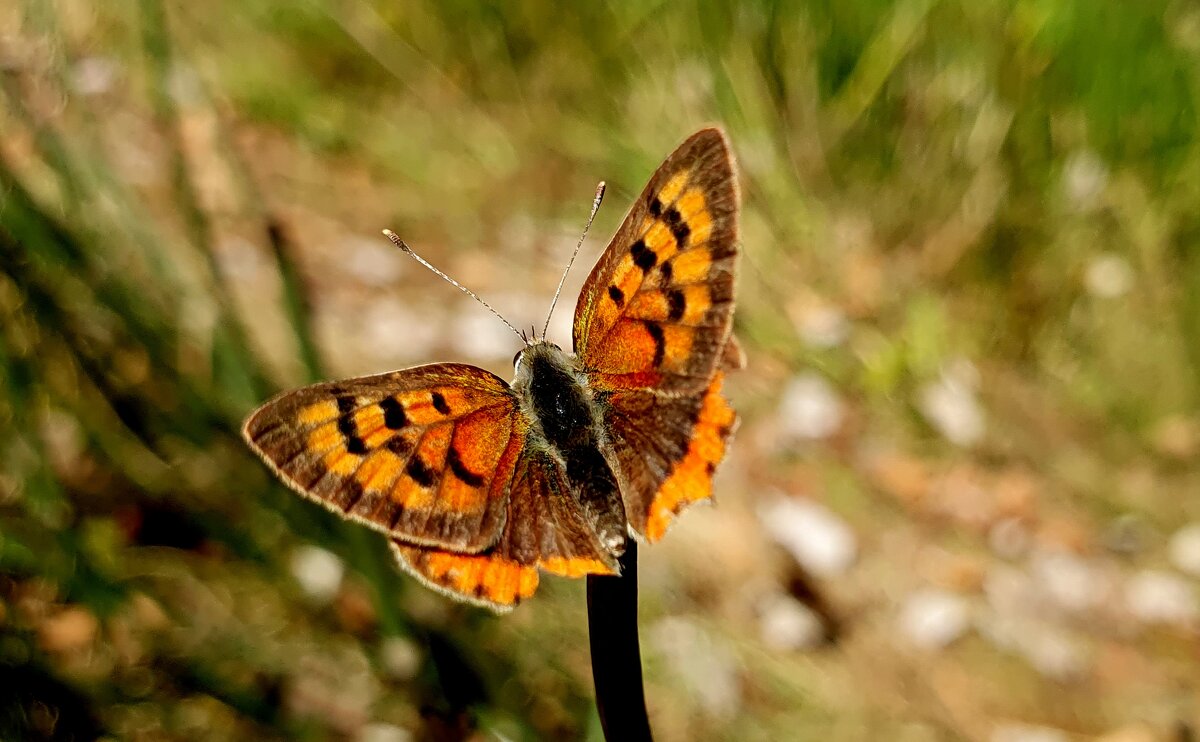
570	422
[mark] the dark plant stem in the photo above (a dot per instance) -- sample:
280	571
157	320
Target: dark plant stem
616	655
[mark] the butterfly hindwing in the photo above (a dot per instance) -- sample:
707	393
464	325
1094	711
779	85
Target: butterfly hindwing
426	454
544	530
656	311
667	450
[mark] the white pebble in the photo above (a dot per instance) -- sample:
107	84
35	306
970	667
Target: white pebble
1052	651
1084	179
1108	276
823	327
1184	549
932	619
94	75
788	624
381	732
400	658
1159	597
816	537
1012	732
318	571
810	408
950	405
1071	582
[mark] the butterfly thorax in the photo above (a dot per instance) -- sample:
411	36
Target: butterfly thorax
566	420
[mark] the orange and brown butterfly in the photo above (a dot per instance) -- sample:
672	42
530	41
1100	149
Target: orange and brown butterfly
480	484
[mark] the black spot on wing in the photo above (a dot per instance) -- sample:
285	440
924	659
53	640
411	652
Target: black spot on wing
676	304
678	227
346	426
354	444
660	345
643	257
460	470
655	207
393	413
617	295
420	472
439	403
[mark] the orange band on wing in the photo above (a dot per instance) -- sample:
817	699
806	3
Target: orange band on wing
490	581
575	567
691	479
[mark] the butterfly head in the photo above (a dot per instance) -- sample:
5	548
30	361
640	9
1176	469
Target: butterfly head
535	349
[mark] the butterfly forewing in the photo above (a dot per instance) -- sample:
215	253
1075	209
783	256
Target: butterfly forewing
425	454
656	311
653	327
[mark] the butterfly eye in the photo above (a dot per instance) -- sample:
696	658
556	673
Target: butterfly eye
517	360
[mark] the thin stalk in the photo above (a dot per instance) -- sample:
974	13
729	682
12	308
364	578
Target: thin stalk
616	654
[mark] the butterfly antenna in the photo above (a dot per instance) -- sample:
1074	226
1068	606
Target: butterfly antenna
403	246
595	207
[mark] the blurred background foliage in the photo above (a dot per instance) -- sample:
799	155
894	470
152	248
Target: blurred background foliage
959	503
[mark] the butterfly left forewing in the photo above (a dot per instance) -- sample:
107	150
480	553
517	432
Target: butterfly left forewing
425	454
544	531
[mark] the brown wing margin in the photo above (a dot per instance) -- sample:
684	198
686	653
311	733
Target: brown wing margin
544	531
425	454
667	449
656	310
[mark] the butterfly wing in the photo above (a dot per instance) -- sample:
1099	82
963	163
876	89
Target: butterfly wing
667	449
656	311
544	530
425	454
653	328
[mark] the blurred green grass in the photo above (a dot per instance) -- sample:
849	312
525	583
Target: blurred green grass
961	180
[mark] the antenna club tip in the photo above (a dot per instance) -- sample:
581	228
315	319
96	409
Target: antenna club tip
396	240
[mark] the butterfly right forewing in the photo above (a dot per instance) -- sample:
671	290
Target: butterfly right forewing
656	312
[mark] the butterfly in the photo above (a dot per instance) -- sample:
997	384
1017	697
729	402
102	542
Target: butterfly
481	484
